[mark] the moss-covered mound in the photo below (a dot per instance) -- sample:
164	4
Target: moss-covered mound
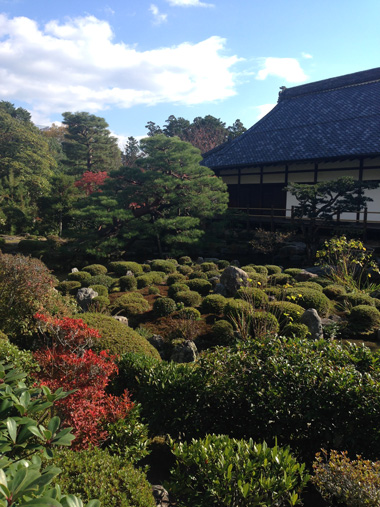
117	337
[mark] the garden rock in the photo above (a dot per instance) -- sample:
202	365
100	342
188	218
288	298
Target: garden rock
220	289
85	297
305	275
121	319
186	352
161	496
200	260
158	343
233	279
314	323
75	270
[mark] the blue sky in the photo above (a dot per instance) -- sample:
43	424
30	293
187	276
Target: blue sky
134	62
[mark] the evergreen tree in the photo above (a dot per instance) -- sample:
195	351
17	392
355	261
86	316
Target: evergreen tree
88	144
165	198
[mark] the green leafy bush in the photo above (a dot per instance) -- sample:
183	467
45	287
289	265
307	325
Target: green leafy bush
166	266
130	304
279	279
222	333
249	268
262	270
22	360
185	270
209	266
310	298
127	283
214	303
221	471
286	312
293	271
153	290
114	481
69	287
117	337
203	287
175	278
352	483
334	291
273	269
164	306
100	303
256	297
188	298
197	274
213	274
95	269
262	324
363	320
189	313
105	280
236	309
100	289
310	285
222	264
150	278
358	298
185	260
120	268
296	329
177	287
80	276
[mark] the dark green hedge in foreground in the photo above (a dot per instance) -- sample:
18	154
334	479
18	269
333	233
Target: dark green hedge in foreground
310	394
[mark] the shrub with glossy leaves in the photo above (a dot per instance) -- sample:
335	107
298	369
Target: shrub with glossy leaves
221	471
114	481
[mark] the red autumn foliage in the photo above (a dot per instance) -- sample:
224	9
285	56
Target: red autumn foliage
66	363
90	182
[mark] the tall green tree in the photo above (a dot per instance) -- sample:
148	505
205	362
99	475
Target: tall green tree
88	144
26	165
165	198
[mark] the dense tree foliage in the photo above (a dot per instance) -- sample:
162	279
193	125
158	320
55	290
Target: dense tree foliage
164	198
88	144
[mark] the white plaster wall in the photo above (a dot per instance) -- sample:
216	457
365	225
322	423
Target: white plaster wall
301	177
249	178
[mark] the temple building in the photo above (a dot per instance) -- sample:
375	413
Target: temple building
318	131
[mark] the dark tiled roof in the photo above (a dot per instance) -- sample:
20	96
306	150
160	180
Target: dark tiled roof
334	118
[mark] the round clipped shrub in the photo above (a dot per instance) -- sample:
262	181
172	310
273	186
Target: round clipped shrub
80	276
166	266
249	268
185	259
146	268
285	312
130	304
69	287
257	279
363	320
100	303
277	292
292	271
324	282
176	287
105	280
117	337
94	473
127	283
189	313
280	279
175	278
212	274
100	289
263	323
203	287
185	270
311	285
334	291
209	266
222	332
236	309
197	275
222	264
256	297
164	306
296	329
153	290
188	298
261	269
273	269
120	268
150	278
96	269
310	298
358	298
214	303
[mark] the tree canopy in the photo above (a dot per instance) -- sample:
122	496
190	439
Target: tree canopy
165	198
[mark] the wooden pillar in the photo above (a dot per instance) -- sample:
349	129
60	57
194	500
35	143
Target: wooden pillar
239	188
316	172
361	163
261	188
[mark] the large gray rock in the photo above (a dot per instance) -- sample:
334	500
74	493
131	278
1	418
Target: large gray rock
85	296
220	289
305	276
233	279
186	352
314	323
158	342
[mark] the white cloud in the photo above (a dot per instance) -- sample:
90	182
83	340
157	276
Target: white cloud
76	66
306	55
286	68
158	17
188	3
263	110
